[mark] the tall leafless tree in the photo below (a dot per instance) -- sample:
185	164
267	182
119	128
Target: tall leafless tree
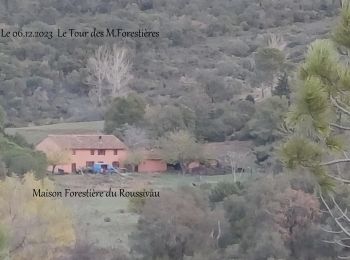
98	67
236	161
119	71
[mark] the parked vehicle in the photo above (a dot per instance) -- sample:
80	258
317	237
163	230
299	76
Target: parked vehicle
103	168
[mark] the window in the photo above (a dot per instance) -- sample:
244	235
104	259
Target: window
92	152
101	152
115	152
73	152
90	164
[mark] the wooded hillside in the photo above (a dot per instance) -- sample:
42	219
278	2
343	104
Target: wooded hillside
204	60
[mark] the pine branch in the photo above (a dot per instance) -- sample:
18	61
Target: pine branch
337	105
335	162
339	179
337	242
339	224
340	127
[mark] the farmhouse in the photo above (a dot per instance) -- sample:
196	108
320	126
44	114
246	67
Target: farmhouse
85	150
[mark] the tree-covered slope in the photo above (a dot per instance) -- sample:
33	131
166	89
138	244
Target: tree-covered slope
205	51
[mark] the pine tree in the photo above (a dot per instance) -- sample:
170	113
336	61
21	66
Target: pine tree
316	131
282	87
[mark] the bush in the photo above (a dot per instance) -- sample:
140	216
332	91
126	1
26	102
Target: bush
237	48
136	204
223	190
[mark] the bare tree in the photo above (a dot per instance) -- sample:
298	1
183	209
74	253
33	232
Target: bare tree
119	71
98	67
235	159
109	73
135	137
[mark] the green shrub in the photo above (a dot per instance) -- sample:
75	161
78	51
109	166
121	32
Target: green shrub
21	160
223	190
136	204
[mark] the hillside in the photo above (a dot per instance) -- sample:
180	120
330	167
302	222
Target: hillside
205	51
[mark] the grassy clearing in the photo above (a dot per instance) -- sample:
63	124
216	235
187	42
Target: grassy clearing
178	180
34	134
89	214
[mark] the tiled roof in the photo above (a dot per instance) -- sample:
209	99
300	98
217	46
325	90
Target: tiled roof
87	141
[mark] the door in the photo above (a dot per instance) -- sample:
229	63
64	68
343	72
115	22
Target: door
115	164
74	167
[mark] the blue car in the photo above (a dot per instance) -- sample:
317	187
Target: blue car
103	168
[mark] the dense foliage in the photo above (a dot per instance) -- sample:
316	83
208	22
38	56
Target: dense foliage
269	218
18	159
30	220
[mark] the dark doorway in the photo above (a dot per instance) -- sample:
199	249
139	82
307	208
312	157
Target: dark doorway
74	167
173	167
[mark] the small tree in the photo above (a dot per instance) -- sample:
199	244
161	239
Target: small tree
265	123
163	119
134	159
58	157
124	110
269	60
282	88
235	159
181	147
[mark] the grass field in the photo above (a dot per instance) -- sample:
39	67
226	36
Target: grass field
34	134
89	214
